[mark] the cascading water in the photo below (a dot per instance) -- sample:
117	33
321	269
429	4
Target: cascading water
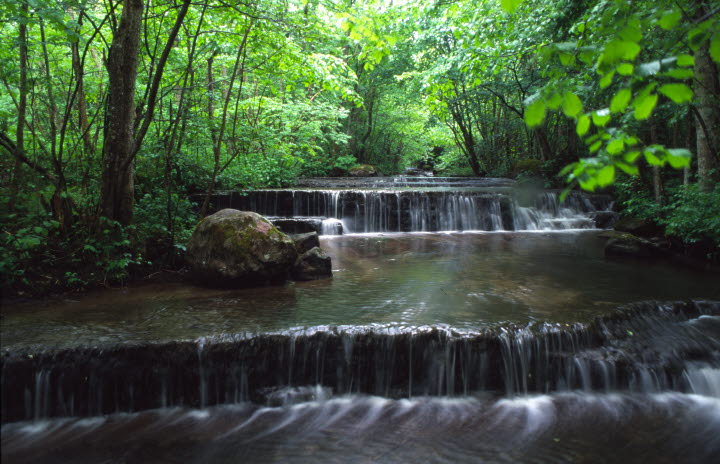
402	206
503	347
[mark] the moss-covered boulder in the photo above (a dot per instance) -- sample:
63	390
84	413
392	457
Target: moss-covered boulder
234	248
364	170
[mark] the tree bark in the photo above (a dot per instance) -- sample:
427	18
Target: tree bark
117	194
22	107
707	114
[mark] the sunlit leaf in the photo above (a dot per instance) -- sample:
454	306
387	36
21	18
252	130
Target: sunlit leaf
510	5
625	69
583	125
615	147
652	158
715	48
670	19
620	101
644	106
535	113
629	169
606	176
678	157
601	117
685	60
571	105
679	93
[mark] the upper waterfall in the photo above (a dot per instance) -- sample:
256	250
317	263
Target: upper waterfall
418	204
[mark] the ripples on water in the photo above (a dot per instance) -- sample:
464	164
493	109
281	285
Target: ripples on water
466	281
567	427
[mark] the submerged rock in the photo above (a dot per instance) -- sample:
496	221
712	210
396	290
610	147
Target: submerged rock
234	248
627	245
314	264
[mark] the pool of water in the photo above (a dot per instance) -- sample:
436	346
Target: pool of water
462	280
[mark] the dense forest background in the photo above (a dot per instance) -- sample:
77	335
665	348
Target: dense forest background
113	113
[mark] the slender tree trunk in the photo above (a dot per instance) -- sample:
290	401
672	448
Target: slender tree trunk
707	114
22	108
117	195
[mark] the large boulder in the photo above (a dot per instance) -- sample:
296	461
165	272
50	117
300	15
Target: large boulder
234	248
312	265
364	170
639	227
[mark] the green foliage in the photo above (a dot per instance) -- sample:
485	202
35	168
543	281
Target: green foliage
694	216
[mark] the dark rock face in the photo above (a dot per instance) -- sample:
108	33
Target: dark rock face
297	225
627	245
306	242
314	264
638	227
234	248
605	219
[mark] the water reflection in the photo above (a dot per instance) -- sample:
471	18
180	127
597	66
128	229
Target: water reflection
464	280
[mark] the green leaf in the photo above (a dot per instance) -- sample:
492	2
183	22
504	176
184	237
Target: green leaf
670	19
572	105
606	80
554	101
685	60
616	146
652	158
644	106
680	73
510	5
620	101
715	47
595	146
678	157
697	36
583	125
631	156
625	69
629	169
679	93
535	113
601	117
617	50
606	176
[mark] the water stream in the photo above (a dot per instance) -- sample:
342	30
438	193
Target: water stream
478	343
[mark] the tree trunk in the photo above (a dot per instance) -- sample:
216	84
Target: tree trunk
117	195
22	107
707	114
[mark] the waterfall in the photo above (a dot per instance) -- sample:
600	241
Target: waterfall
370	211
646	348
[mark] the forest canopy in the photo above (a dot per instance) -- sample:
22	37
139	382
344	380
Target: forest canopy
115	113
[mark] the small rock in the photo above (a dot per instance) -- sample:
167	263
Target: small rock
305	242
312	265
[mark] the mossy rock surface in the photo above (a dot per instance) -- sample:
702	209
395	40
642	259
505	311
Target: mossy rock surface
234	248
364	170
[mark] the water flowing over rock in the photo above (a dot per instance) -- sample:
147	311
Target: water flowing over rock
645	348
236	248
397	210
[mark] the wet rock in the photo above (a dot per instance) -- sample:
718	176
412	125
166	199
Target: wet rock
305	242
605	219
364	170
627	245
639	227
234	248
297	225
314	264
